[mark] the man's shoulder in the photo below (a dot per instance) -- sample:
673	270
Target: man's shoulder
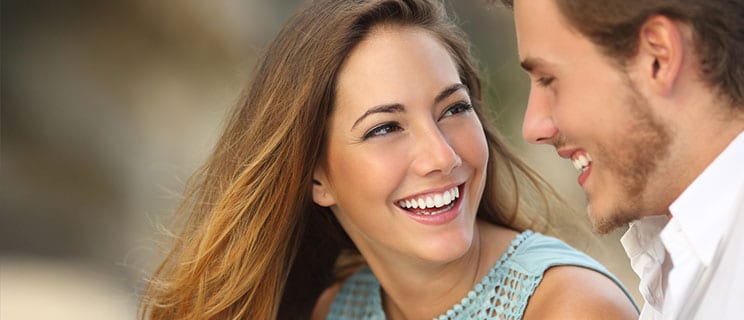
719	290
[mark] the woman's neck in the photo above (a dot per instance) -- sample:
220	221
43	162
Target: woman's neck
419	290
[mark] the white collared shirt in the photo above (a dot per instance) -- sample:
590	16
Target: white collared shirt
692	265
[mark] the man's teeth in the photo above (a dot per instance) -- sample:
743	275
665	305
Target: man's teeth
581	162
431	201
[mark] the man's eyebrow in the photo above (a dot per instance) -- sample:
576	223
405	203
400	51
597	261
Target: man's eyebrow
530	64
397	107
385	108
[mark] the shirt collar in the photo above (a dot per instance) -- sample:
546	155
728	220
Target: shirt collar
642	234
646	252
704	210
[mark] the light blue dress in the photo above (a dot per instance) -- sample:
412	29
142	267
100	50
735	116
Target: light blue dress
501	294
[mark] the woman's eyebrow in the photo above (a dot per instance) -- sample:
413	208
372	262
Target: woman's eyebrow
397	107
449	91
385	108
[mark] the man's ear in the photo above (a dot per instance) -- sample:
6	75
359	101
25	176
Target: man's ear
661	53
322	193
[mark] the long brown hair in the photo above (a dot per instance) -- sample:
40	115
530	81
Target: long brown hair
614	26
253	243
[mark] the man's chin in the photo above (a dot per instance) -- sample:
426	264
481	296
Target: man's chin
607	220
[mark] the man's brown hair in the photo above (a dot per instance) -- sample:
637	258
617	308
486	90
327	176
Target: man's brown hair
718	33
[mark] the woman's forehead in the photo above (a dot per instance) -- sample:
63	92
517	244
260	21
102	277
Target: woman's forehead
395	62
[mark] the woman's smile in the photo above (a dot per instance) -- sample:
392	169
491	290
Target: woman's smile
433	208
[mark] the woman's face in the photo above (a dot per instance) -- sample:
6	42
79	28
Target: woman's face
406	154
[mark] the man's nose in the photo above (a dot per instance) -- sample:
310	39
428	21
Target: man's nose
538	126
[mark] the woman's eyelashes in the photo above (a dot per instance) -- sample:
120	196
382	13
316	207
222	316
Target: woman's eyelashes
393	126
382	129
458	107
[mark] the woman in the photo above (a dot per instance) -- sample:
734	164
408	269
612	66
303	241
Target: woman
360	178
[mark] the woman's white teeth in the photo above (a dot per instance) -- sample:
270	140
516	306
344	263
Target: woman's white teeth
431	201
581	162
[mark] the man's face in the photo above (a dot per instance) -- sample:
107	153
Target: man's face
590	110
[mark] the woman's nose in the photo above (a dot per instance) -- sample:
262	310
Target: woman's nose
436	154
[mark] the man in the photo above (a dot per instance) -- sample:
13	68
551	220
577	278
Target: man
646	98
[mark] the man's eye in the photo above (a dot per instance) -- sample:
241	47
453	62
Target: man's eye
545	81
382	130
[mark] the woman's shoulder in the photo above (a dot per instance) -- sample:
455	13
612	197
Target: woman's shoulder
575	292
534	253
529	252
570	283
355	296
323	305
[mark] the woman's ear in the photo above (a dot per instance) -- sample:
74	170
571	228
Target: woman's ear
322	193
662	52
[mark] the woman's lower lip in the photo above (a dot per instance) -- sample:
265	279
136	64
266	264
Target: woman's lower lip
439	218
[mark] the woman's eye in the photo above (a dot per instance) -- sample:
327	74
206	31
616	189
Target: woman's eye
459	107
382	130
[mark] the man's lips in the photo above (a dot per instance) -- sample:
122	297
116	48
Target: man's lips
567	153
580	159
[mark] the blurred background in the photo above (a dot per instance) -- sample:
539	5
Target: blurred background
108	106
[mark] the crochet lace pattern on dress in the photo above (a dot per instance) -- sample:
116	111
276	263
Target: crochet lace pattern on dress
501	294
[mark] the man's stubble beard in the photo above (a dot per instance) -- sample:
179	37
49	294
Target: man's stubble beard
635	160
